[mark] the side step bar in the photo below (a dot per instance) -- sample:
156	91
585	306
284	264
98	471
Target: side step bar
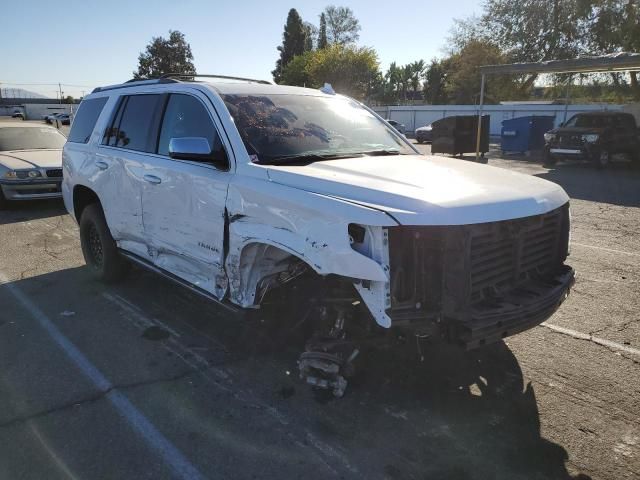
189	286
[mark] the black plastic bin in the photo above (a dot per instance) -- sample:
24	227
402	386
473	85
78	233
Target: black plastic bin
457	135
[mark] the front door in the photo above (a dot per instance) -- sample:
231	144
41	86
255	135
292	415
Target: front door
183	201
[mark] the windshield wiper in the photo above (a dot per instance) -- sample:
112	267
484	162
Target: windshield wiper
381	152
306	158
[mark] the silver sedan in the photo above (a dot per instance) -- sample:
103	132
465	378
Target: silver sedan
30	162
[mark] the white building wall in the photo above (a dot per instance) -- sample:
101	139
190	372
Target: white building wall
415	116
35	111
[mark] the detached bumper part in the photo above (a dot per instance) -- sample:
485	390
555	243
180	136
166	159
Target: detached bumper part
520	309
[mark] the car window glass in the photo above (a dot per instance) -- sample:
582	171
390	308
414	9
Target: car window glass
30	138
280	126
186	116
133	123
85	119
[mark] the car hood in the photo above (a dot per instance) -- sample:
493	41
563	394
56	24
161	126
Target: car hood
18	159
426	190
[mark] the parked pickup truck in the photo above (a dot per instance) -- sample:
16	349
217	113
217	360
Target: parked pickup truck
595	136
251	194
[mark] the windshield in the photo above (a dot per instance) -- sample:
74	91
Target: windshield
25	138
588	121
285	128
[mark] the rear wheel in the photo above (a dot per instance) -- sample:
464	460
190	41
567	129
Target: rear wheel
98	246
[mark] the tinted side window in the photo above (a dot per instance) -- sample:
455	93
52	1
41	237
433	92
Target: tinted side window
186	116
86	119
133	127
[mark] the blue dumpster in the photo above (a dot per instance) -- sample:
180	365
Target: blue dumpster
524	134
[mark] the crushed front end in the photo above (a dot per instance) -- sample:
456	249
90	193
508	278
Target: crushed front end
476	284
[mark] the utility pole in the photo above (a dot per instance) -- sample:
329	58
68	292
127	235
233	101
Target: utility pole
60	89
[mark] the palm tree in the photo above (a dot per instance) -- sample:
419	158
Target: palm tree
417	73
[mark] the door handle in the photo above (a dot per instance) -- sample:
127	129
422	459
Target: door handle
152	179
102	165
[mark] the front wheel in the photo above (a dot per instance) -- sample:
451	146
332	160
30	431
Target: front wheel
601	159
98	246
3	201
547	160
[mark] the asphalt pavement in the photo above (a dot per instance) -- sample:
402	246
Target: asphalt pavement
144	380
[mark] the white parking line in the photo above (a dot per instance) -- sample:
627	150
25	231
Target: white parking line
612	250
180	465
585	336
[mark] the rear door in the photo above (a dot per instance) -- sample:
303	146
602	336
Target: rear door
127	143
183	201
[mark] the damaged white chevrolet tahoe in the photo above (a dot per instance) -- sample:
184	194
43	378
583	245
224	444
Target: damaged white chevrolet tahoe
242	190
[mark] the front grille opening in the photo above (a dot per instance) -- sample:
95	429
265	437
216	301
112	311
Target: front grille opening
441	271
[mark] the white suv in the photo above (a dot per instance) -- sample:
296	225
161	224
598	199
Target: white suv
242	190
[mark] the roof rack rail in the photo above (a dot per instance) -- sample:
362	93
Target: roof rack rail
191	76
133	82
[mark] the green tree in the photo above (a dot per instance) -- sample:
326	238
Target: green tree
165	55
526	30
311	36
434	85
614	26
342	26
322	35
69	99
535	30
462	76
349	69
294	42
417	70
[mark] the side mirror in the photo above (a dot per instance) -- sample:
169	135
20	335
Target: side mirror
194	148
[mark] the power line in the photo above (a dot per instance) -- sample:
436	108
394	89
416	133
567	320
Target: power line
50	84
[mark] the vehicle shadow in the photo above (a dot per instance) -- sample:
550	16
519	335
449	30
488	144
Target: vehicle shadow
617	184
32	210
475	416
451	415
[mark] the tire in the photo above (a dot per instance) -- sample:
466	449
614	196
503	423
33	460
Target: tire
99	248
547	160
419	141
3	201
601	159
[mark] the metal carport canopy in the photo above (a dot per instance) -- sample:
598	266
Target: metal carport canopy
616	62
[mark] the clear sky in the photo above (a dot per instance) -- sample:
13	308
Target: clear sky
88	43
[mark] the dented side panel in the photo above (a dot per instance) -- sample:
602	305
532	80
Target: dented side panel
299	225
184	221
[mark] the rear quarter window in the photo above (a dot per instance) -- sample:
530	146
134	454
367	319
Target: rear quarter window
86	119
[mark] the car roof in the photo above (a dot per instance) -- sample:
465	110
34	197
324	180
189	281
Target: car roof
222	87
250	88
